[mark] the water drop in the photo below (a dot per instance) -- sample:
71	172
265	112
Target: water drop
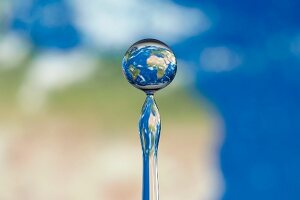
149	65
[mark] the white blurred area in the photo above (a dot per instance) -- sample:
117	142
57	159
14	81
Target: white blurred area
114	24
220	58
50	72
13	51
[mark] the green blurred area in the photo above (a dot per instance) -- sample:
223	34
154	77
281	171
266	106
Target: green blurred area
106	98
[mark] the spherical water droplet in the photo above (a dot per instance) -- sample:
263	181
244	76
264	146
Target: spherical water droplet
149	65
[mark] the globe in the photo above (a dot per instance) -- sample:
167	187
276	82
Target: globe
149	65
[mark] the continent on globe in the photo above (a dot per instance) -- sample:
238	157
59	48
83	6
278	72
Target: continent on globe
134	71
160	59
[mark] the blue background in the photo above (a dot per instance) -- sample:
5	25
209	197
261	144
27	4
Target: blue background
258	100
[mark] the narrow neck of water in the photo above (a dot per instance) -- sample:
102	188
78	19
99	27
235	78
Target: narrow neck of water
149	127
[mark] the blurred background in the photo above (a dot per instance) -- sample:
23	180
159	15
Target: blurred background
68	117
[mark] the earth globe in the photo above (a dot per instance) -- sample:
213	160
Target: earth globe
149	65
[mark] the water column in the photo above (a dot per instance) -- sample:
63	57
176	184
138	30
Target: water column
149	65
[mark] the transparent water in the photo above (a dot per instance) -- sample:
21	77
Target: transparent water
149	65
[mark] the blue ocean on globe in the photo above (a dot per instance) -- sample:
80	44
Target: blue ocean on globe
149	67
